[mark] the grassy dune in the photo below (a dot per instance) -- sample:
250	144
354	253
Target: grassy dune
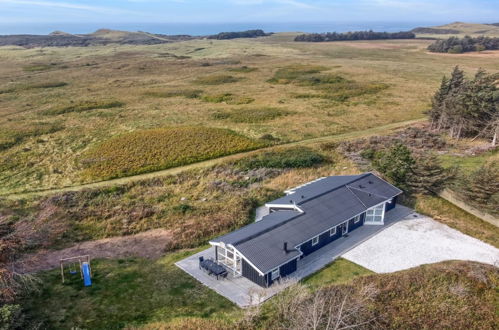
157	87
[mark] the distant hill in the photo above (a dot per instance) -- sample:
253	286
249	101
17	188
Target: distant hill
459	28
99	37
108	36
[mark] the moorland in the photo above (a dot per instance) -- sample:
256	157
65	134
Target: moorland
271	113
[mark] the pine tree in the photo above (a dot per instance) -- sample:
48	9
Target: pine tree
482	186
396	164
427	175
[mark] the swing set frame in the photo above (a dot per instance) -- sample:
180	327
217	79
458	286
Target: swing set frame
73	260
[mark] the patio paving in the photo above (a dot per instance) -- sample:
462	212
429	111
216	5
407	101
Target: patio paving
244	293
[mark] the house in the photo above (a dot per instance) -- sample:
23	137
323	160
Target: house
307	218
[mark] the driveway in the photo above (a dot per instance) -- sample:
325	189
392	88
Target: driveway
419	240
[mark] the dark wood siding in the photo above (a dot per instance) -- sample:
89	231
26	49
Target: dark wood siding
324	239
284	270
353	226
389	206
251	273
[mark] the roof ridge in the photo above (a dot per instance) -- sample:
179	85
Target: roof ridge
366	192
266	230
360	176
350	189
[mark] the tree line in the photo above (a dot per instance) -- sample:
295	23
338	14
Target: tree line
467	107
455	45
357	35
242	34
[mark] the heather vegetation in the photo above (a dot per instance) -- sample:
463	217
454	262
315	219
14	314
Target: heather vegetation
295	157
332	87
455	45
17	134
227	98
83	106
242	69
156	149
216	79
357	35
250	115
187	93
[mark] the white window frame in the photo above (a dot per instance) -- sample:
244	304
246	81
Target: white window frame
356	219
332	231
315	240
275	274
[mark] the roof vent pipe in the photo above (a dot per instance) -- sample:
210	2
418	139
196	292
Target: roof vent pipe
285	247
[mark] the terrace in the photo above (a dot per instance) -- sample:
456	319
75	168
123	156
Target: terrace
244	292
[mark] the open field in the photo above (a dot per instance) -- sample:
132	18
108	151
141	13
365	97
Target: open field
125	85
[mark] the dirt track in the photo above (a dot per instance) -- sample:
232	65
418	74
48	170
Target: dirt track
149	244
204	164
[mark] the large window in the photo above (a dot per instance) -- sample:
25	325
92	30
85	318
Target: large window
315	240
275	274
375	214
356	219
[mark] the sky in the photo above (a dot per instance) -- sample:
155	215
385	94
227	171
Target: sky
234	11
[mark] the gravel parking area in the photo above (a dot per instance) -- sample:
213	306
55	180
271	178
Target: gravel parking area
419	240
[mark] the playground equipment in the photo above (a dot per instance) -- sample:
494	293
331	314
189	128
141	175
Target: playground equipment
78	264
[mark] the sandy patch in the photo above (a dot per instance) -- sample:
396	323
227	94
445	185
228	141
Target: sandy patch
417	241
149	244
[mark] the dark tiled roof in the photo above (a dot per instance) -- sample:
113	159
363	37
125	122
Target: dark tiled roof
267	223
347	196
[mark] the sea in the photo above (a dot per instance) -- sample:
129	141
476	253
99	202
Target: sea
199	29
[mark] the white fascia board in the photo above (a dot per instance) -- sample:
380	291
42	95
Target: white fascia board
251	264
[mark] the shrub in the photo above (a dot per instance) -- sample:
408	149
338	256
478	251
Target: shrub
291	73
53	84
218	98
250	115
155	149
13	136
242	69
187	93
227	98
84	106
216	79
37	67
296	157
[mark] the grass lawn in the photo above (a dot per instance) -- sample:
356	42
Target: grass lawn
126	292
468	164
339	271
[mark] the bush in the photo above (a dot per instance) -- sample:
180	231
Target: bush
250	115
11	317
156	149
481	187
296	157
227	98
13	136
217	79
242	69
53	84
187	93
291	73
84	106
